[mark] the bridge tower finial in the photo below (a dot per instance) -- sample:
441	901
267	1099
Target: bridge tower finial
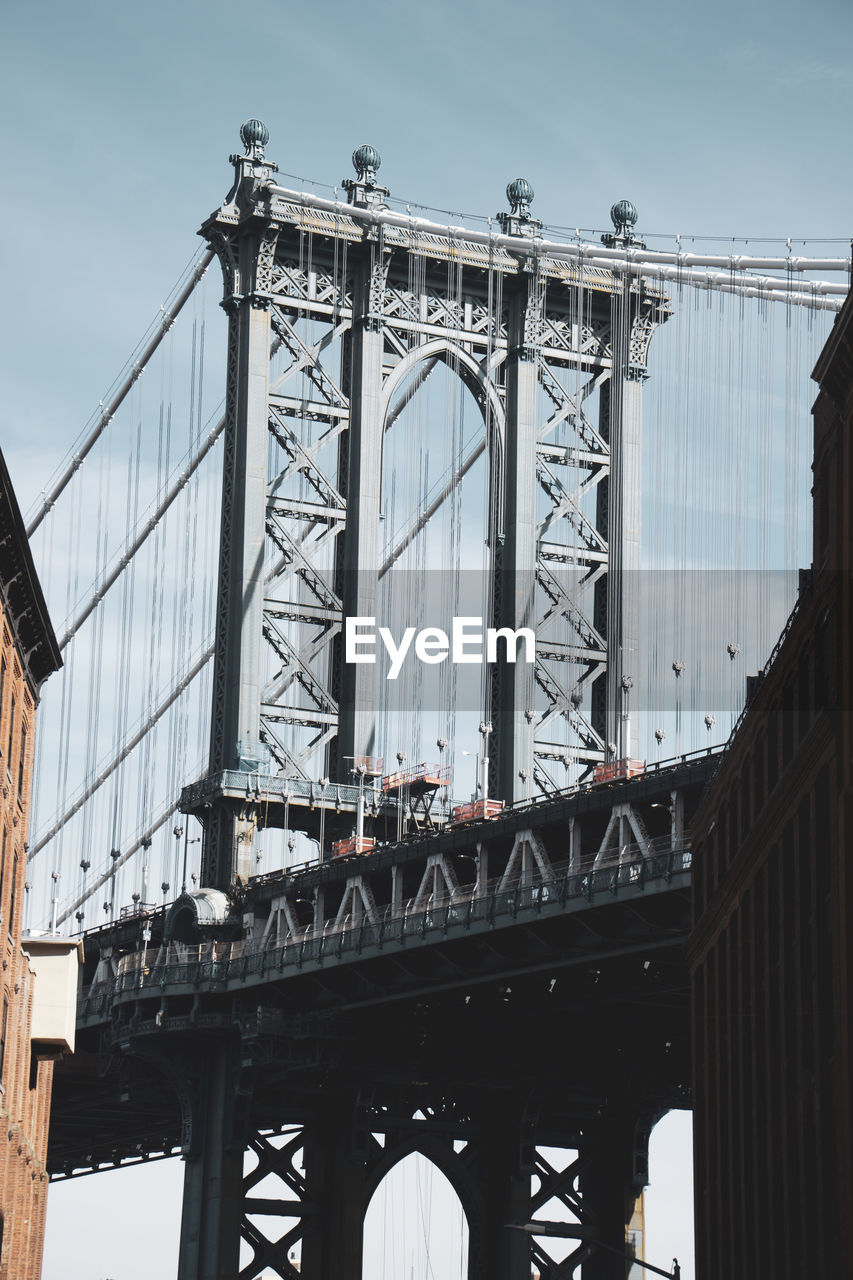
519	221
364	190
254	135
251	167
623	215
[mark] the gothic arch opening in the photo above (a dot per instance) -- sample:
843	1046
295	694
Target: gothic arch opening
439	503
415	368
415	1227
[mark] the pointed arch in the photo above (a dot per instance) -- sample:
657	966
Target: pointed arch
439	1153
479	381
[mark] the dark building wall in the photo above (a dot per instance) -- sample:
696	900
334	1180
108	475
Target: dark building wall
27	654
770	948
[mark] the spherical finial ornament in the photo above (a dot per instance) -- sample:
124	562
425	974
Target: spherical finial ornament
366	161
623	214
519	193
254	135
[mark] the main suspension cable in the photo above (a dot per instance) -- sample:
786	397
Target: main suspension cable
147	529
109	411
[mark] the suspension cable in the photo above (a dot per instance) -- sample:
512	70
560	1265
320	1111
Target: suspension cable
141	842
150	525
125	751
109	411
426	515
640	262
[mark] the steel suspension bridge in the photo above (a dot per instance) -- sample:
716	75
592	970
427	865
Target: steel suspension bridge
439	431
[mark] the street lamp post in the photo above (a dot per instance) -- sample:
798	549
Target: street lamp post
485	730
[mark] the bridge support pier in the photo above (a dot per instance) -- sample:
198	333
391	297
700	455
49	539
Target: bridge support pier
333	1229
213	1177
608	1192
496	1250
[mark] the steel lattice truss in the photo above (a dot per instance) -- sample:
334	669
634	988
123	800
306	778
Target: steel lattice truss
364	310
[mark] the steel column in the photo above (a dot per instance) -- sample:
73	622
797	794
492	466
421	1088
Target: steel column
518	557
333	1232
496	1250
213	1177
360	559
624	397
235	743
606	1185
240	744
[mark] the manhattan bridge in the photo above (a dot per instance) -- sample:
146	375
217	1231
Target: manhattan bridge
333	918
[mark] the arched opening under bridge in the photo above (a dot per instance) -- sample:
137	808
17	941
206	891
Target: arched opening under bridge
415	1227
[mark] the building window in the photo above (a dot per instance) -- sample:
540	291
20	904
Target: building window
3	870
14	894
21	762
2	682
11	734
3	1027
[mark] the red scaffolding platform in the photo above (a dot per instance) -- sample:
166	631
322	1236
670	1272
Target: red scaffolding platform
417	787
476	810
352	844
616	769
422	777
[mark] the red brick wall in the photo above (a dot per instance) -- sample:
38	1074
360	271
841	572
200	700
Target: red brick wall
25	1084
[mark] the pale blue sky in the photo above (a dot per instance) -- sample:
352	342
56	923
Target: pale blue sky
117	122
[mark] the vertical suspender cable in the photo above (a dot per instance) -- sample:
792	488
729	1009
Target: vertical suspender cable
110	410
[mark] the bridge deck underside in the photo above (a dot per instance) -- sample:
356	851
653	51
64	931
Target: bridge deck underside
568	978
495	1010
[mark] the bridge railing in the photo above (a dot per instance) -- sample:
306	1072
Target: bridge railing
220	963
652	769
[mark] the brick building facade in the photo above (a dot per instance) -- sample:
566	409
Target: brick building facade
28	654
770	951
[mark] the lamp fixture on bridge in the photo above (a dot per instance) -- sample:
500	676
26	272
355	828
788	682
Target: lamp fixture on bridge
324	782
54	901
